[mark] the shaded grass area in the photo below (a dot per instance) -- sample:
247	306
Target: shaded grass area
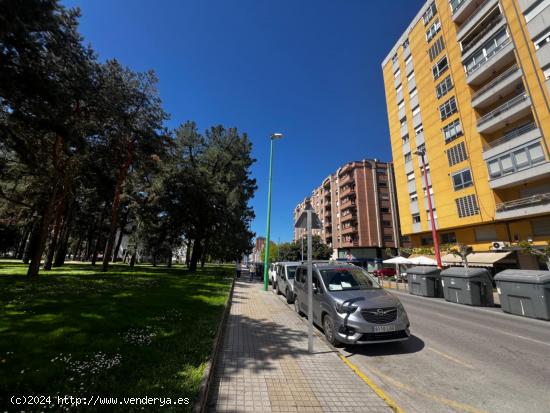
146	331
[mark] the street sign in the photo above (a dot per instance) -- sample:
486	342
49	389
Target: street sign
309	220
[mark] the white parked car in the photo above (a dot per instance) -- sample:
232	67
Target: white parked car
272	273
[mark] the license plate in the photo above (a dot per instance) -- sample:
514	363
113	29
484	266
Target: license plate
383	329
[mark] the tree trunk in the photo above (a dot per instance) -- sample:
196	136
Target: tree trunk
117	247
122	172
40	240
23	243
31	243
55	238
63	247
169	260
188	254
133	259
195	255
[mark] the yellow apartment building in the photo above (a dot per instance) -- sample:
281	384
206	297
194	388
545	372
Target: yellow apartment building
468	84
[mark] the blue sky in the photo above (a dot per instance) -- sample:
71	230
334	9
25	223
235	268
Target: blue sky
307	68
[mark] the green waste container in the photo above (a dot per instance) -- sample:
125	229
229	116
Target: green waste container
525	292
425	281
471	286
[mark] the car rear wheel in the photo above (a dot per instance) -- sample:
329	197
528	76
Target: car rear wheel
330	332
297	308
289	296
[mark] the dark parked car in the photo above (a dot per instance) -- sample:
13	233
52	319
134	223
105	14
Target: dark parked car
384	272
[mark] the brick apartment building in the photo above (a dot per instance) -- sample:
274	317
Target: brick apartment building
357	206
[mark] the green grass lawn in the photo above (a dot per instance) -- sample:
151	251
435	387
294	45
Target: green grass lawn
139	332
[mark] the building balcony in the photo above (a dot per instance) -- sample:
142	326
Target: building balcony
349	230
348	217
543	54
499	58
521	176
350	243
346	179
488	30
503	85
347	191
514	109
463	9
327	207
524	207
516	137
472	21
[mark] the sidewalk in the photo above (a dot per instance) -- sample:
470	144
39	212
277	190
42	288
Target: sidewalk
264	365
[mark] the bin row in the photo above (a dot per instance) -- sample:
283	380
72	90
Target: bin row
521	292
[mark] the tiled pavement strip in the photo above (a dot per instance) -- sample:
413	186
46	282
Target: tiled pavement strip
264	365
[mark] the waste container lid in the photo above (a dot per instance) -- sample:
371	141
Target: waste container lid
425	270
524	276
461	272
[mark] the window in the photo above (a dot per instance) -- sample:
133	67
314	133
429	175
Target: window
457	154
487	233
410	77
416	110
413	93
452	131
401	105
428	214
419	129
410	176
406	44
448	108
405	139
534	12
542	40
521	158
443	88
467	206
414	197
397	74
394	58
421	147
440	67
546	73
433	30
436	48
448	238
408	157
429	14
385	210
408	60
462	179
416	218
399	89
486	51
403	121
541	227
426	240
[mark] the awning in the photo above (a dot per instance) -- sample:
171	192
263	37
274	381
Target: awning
476	259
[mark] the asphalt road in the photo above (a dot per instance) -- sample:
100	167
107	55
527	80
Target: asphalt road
462	359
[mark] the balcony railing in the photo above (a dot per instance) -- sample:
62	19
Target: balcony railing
474	14
508	72
503	108
489	56
528	127
486	29
539	199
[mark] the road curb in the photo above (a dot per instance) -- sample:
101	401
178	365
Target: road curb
379	392
204	388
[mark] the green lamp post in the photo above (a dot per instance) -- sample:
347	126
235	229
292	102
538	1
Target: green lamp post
275	136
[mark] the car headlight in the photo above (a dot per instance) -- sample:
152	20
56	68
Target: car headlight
344	308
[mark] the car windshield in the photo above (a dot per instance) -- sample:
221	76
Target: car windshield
291	272
340	279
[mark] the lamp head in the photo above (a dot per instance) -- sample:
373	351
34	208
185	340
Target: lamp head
276	136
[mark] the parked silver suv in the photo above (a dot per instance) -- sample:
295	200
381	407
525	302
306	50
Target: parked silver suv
284	281
350	305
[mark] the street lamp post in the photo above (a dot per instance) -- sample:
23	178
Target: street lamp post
421	153
266	255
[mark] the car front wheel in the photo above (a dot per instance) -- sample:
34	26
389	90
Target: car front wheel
330	332
289	296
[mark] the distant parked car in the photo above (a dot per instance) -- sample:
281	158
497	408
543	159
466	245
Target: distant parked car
384	272
284	283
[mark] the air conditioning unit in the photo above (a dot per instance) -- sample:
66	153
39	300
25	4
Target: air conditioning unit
499	245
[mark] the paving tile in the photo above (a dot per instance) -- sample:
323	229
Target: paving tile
264	365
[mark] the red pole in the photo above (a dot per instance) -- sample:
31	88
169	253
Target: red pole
434	231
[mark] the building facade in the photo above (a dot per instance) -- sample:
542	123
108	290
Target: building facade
468	82
357	206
